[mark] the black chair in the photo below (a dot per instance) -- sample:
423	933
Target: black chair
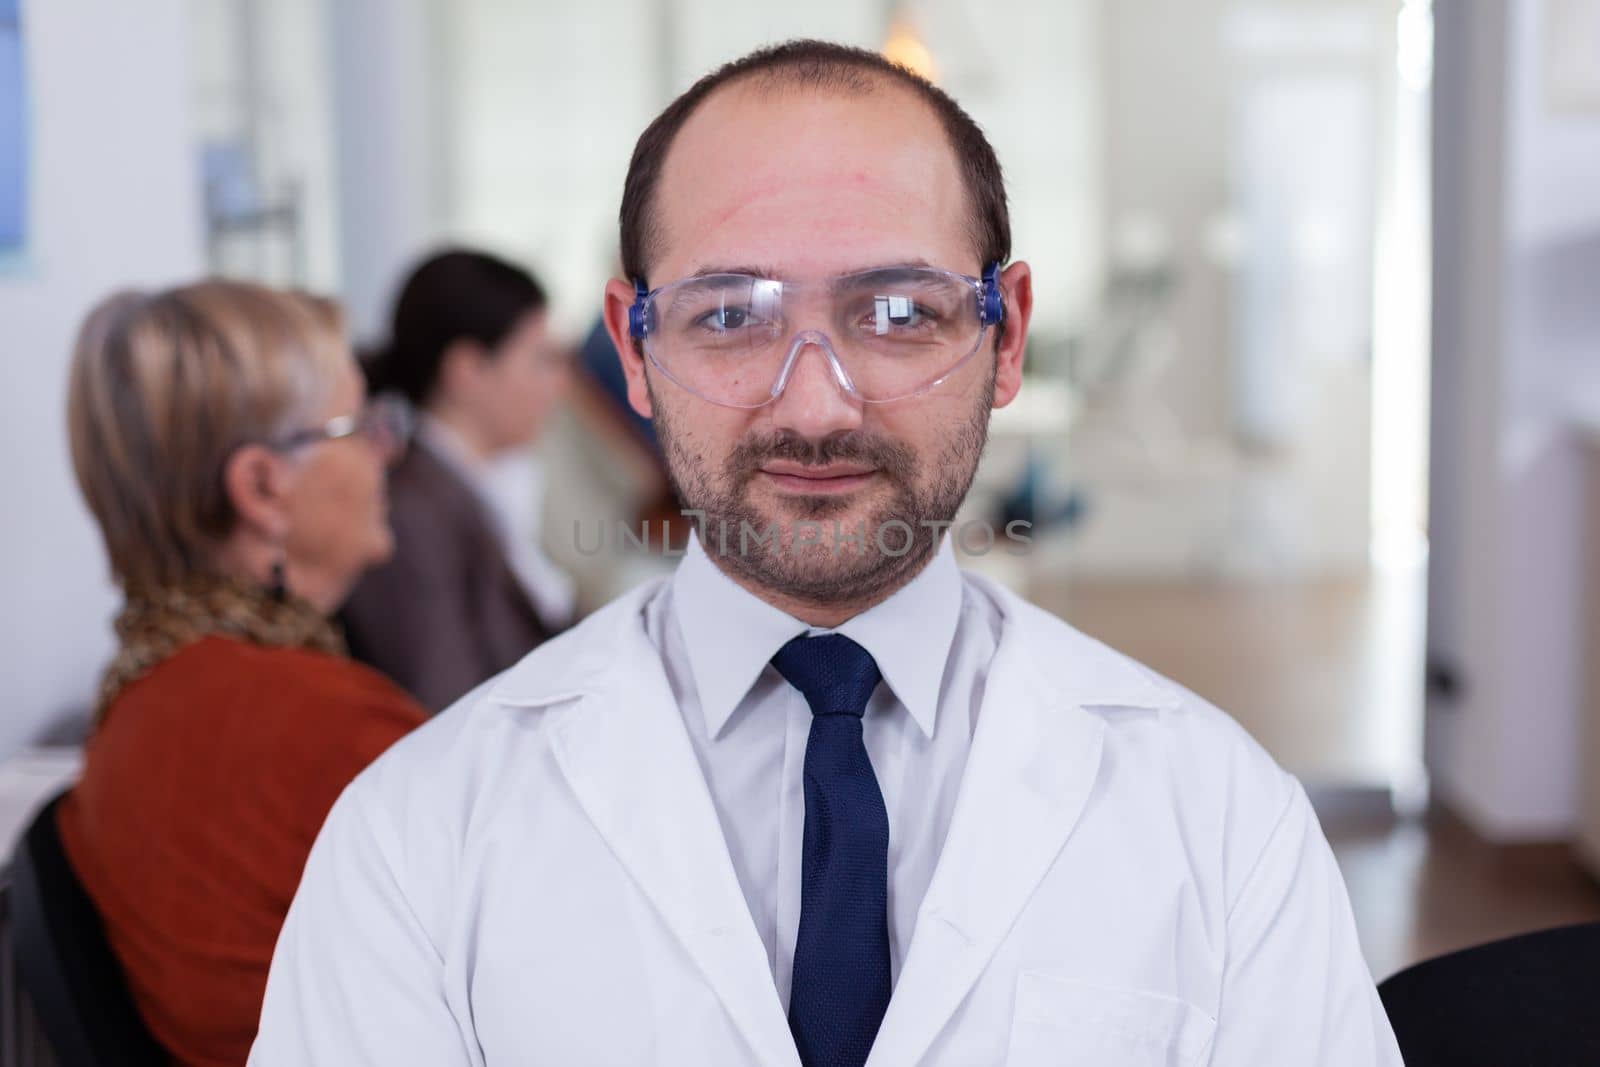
65	964
1528	1001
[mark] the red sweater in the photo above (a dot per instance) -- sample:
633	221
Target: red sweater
202	791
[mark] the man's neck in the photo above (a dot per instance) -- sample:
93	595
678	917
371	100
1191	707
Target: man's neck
825	615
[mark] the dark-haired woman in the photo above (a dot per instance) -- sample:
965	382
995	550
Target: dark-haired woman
468	591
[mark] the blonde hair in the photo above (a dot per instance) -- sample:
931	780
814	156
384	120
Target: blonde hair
165	387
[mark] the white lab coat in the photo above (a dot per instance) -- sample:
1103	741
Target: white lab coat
537	876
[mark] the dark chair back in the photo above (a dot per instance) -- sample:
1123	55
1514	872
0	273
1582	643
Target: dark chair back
66	965
1528	1001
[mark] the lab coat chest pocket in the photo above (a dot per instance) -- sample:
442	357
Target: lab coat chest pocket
1060	1021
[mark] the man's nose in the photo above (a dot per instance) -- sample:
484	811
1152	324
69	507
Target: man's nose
813	404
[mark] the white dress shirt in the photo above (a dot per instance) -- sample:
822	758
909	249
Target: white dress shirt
749	727
511	490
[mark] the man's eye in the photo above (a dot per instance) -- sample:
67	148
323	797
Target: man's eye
726	318
897	313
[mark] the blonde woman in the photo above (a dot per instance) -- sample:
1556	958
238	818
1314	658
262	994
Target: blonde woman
221	439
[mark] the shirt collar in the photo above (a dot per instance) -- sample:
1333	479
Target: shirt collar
731	634
450	449
909	634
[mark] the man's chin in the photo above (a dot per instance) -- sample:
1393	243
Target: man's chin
804	521
820	570
847	508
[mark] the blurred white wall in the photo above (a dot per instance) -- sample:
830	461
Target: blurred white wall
115	203
1517	332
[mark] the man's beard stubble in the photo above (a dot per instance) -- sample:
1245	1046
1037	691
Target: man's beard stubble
833	571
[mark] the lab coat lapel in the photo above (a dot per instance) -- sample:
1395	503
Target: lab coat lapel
623	750
1033	763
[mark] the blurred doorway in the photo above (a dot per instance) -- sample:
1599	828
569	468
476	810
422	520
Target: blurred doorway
1246	444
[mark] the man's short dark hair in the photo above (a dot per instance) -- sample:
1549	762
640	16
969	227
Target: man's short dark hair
824	66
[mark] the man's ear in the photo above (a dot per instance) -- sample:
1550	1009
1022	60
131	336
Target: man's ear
1016	283
257	481
619	298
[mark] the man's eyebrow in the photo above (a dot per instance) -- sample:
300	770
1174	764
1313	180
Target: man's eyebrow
754	272
769	272
899	264
886	268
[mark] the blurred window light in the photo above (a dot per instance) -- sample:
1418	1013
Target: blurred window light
1277	31
1141	242
1319	241
1301	159
1401	301
1224	240
1414	44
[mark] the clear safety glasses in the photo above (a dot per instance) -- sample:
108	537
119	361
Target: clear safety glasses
888	333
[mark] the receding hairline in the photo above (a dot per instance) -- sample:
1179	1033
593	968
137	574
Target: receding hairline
839	77
848	81
836	74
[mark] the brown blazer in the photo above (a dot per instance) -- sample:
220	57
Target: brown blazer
447	612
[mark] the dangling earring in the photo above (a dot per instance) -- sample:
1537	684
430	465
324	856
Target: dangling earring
278	586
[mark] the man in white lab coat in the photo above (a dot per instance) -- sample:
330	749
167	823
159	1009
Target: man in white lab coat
820	798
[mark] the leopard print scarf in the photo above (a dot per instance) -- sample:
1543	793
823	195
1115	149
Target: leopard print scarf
155	624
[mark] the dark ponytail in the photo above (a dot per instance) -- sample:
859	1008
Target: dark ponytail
451	296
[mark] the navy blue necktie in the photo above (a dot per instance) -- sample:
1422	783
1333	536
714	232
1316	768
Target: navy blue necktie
841	956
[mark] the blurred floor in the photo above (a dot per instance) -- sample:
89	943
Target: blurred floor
1326	674
1425	887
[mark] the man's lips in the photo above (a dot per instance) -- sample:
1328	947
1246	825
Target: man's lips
831	478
